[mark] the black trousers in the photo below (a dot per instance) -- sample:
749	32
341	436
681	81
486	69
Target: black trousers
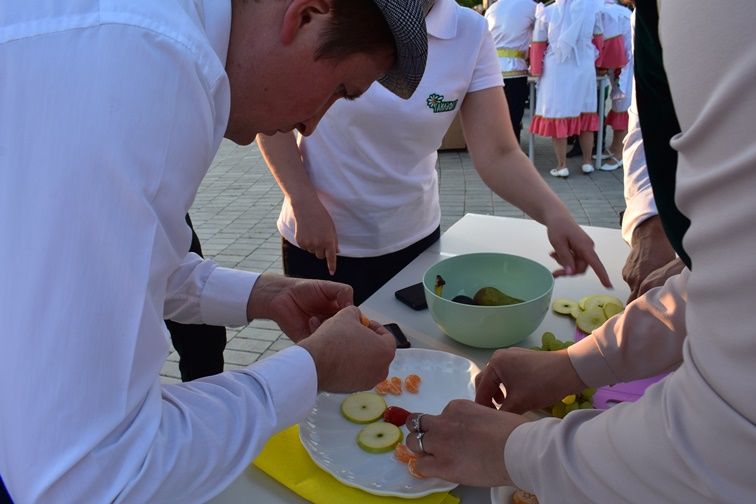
4	495
200	347
516	91
365	274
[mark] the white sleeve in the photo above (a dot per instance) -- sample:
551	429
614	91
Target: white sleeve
100	162
639	197
487	73
691	437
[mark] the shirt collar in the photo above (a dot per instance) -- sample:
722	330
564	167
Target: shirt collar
442	19
216	15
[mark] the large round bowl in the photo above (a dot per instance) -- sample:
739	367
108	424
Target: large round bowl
489	326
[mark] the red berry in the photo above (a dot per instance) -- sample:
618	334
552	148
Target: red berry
395	415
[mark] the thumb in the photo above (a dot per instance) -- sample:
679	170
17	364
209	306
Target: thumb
314	323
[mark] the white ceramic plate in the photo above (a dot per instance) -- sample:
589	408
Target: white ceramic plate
330	439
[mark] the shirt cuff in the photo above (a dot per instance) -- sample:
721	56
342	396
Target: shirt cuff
292	380
641	207
224	298
590	364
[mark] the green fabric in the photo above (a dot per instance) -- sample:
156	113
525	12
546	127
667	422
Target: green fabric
658	123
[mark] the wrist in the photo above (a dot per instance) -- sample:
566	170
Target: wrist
267	286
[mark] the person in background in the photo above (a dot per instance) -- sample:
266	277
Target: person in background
361	192
617	61
112	117
511	25
563	56
689	438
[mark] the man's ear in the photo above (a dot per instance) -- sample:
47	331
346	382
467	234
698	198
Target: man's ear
300	14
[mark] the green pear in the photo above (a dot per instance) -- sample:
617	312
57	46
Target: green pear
491	296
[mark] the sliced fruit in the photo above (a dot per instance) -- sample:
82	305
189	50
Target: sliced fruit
363	407
600	300
564	306
383	387
395	415
523	497
403	454
591	319
364	320
569	399
379	437
438	288
612	309
412	468
412	383
584	300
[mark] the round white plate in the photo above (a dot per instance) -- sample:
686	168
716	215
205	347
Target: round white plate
331	440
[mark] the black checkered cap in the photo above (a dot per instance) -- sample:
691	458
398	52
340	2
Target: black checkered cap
406	19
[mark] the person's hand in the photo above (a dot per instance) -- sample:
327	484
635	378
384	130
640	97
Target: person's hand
297	305
660	275
349	356
314	230
573	249
532	379
464	444
650	251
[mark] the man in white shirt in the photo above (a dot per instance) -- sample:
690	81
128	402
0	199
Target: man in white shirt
112	112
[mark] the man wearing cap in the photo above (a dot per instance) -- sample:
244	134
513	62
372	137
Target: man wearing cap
112	114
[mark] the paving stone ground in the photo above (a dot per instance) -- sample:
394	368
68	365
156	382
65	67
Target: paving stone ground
238	203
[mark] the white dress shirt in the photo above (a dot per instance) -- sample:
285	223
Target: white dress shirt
112	112
691	438
511	25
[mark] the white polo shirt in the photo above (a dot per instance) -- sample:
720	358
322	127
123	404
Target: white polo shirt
373	160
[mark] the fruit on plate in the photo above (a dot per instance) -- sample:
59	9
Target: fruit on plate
612	309
491	296
412	383
395	415
564	306
591	319
403	454
523	497
379	437
363	407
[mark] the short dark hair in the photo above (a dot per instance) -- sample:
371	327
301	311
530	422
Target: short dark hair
357	26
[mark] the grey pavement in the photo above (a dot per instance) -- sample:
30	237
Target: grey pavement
237	205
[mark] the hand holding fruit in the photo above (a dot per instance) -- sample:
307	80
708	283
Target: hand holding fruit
533	379
464	444
349	356
298	306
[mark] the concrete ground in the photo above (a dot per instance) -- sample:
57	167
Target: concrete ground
238	203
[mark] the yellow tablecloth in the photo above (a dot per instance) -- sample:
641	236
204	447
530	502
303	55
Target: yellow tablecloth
285	459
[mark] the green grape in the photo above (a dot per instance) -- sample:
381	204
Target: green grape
572	407
588	393
568	343
586	405
559	410
547	340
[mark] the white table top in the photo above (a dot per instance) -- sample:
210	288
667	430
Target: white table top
472	233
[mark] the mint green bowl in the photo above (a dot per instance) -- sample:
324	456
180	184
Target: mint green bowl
489	326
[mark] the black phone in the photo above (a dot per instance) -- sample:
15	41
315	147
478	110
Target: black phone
413	296
401	339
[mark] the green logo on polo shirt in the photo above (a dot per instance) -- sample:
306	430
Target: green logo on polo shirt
437	104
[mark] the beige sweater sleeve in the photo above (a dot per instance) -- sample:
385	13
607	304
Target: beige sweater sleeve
652	326
692	437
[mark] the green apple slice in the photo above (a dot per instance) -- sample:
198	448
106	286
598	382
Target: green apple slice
363	407
563	306
590	319
575	312
600	300
379	437
612	309
584	300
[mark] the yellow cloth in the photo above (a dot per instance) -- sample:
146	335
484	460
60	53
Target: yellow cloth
285	459
511	53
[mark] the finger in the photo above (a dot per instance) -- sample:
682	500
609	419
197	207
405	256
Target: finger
426	422
563	255
320	254
428	466
314	323
330	254
489	389
598	267
341	293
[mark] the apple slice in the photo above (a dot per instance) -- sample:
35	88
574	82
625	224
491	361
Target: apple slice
379	437
564	306
611	309
363	407
590	319
600	300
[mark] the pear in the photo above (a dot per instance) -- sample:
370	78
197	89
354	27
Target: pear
363	407
379	437
491	296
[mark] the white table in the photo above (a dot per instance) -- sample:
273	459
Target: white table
472	233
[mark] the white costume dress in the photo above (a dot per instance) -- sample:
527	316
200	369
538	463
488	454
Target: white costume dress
617	56
563	54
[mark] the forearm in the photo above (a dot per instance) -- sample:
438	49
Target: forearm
643	341
284	160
